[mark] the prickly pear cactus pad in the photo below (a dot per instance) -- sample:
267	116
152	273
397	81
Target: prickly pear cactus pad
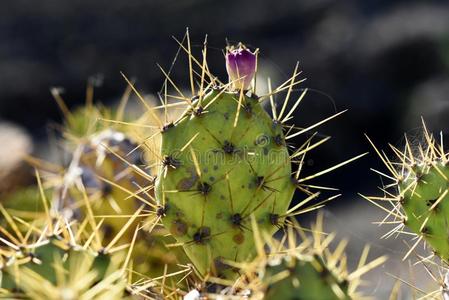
307	278
55	266
302	268
225	159
425	201
419	193
104	157
225	174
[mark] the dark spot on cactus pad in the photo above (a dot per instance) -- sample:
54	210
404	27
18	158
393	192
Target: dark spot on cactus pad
187	183
222	197
201	235
325	275
278	140
236	219
178	228
107	189
205	170
253	96
161	210
34	257
220	265
197	112
274	219
170	161
345	284
228	147
147	238
238	238
212	178
108	231
219	215
248	109
166	127
419	176
294	180
260	180
265	151
204	188
215	167
226	116
426	230
429	203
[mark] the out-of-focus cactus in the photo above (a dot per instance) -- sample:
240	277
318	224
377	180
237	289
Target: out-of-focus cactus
107	180
26	204
306	277
55	266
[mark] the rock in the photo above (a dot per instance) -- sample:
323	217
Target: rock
16	145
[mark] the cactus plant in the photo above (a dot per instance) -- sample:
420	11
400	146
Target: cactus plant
419	193
55	266
105	180
307	278
216	181
219	184
225	159
300	266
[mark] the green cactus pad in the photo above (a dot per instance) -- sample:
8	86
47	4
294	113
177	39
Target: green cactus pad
425	201
306	279
418	197
215	175
43	260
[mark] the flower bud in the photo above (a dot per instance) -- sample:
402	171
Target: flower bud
241	66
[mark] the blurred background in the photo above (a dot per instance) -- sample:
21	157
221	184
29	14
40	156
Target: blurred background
385	61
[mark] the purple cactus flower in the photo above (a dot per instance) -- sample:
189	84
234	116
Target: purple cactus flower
241	66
